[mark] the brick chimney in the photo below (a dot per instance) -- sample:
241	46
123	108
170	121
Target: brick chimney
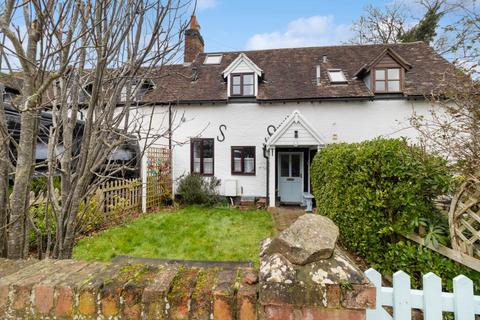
193	41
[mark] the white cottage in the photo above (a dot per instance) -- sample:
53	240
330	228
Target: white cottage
255	119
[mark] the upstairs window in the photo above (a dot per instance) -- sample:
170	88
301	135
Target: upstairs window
242	85
336	76
213	59
388	80
243	160
201	156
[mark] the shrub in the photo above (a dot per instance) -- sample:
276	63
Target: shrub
376	190
195	189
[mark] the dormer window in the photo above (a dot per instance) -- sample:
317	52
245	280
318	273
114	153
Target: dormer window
213	59
388	80
336	76
243	84
243	77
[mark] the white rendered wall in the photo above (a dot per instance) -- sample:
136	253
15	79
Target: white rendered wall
246	125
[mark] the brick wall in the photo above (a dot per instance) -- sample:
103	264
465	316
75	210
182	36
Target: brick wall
69	289
302	275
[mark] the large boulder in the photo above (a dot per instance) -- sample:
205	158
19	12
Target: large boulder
311	238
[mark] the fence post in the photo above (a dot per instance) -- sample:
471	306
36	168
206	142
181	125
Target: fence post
463	291
432	296
144	181
402	307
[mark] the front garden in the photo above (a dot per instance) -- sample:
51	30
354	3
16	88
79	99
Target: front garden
193	233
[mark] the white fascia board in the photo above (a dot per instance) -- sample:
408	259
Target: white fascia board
242	57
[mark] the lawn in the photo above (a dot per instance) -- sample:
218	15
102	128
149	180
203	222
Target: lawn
192	233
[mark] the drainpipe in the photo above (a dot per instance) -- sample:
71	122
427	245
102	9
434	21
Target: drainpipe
170	126
265	155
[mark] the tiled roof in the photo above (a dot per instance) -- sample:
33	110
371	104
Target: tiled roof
290	74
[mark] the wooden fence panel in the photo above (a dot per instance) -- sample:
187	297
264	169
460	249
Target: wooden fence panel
431	300
159	176
122	195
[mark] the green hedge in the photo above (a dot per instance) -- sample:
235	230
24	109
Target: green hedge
376	190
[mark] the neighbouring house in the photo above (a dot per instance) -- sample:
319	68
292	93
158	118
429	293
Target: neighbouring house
255	119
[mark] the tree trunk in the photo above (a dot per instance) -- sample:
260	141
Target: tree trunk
4	166
21	188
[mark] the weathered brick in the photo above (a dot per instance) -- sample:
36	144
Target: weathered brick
272	312
359	296
132	298
13	266
43	298
92	286
314	313
110	302
64	305
22	289
87	304
155	294
247	302
201	304
334	295
223	295
3	298
181	292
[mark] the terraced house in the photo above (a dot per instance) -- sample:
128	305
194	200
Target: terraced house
255	119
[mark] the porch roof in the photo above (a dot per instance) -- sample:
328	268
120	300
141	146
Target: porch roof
295	131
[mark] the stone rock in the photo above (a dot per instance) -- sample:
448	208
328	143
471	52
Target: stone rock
276	269
317	283
310	238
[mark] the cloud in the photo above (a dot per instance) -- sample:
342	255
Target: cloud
206	4
303	32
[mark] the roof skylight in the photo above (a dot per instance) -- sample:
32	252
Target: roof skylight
336	76
213	59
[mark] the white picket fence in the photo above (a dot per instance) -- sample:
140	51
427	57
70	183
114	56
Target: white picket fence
462	302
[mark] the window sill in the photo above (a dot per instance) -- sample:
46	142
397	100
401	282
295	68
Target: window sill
242	174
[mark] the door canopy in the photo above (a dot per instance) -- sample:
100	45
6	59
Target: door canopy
295	131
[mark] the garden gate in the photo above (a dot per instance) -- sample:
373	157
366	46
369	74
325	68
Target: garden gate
431	300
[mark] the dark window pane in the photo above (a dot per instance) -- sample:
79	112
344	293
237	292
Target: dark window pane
248	90
393	85
208	156
237	160
249	160
284	165
380	74
296	165
393	74
196	156
380	85
236	90
248	79
236	80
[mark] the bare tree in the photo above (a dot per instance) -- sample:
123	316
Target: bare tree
380	25
461	42
394	23
76	59
453	128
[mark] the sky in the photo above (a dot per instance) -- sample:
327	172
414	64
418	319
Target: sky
228	25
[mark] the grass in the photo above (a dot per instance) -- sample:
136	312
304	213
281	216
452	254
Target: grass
192	233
